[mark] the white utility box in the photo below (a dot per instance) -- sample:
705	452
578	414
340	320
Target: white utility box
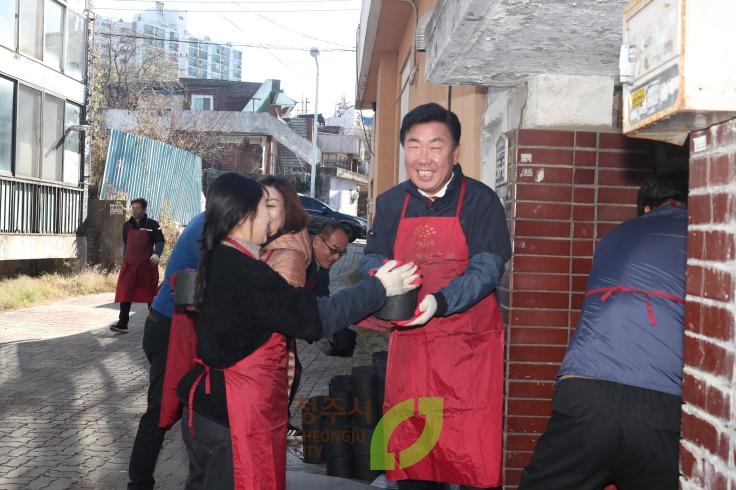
678	67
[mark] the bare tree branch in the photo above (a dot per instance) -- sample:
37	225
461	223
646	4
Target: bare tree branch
135	74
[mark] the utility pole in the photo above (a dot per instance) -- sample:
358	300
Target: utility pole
315	53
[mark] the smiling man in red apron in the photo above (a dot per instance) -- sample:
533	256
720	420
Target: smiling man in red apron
454	228
143	244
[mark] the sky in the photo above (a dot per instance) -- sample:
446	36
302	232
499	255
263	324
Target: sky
283	31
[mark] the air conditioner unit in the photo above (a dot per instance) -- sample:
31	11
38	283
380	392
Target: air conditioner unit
678	67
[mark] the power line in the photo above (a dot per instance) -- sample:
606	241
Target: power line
292	30
270	2
245	45
290	11
266	49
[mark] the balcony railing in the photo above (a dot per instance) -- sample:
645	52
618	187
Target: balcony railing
41	208
333	160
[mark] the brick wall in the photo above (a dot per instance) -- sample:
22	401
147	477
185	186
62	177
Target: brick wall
566	190
708	448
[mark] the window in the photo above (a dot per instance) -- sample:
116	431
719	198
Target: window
202	102
160	37
43	148
75	35
52	31
192	71
45	28
31	33
7	90
173	42
8	12
28	134
72	145
52	132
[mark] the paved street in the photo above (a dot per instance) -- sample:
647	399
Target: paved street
72	392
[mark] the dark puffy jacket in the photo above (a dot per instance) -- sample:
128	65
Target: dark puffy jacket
633	338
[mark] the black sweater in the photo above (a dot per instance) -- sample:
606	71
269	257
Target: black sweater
245	301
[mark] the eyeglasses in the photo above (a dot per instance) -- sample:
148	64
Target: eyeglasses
333	250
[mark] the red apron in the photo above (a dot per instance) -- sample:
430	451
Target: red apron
180	354
257	408
458	358
138	279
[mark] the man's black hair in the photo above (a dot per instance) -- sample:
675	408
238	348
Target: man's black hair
661	188
431	112
141	201
329	227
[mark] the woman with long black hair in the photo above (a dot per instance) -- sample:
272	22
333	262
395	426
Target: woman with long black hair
236	397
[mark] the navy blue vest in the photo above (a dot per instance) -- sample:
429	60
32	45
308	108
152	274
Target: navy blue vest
630	337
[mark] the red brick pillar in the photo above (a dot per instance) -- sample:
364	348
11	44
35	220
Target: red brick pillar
708	448
566	190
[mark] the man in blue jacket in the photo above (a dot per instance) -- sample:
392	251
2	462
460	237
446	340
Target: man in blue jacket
150	437
616	410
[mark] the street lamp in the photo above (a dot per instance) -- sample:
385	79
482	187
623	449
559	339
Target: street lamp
314	52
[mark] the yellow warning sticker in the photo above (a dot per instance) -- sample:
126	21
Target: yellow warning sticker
637	98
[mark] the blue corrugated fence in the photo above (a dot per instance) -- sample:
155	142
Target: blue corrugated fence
166	176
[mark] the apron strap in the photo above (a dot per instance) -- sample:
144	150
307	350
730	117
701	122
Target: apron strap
406	204
607	292
206	375
460	200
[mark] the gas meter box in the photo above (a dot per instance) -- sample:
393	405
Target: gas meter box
678	67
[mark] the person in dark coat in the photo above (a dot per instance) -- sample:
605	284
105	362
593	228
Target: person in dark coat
143	244
330	244
455	228
616	409
150	435
235	397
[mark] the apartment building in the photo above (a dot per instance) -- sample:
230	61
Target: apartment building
43	166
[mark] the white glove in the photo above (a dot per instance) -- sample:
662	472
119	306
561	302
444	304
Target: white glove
155	259
427	308
398	280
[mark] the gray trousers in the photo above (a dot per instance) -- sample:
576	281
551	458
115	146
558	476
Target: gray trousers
210	453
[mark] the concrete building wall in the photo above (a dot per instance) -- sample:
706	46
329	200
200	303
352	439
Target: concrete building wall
343	195
32	247
384	171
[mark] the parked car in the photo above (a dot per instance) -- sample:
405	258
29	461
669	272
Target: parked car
320	213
